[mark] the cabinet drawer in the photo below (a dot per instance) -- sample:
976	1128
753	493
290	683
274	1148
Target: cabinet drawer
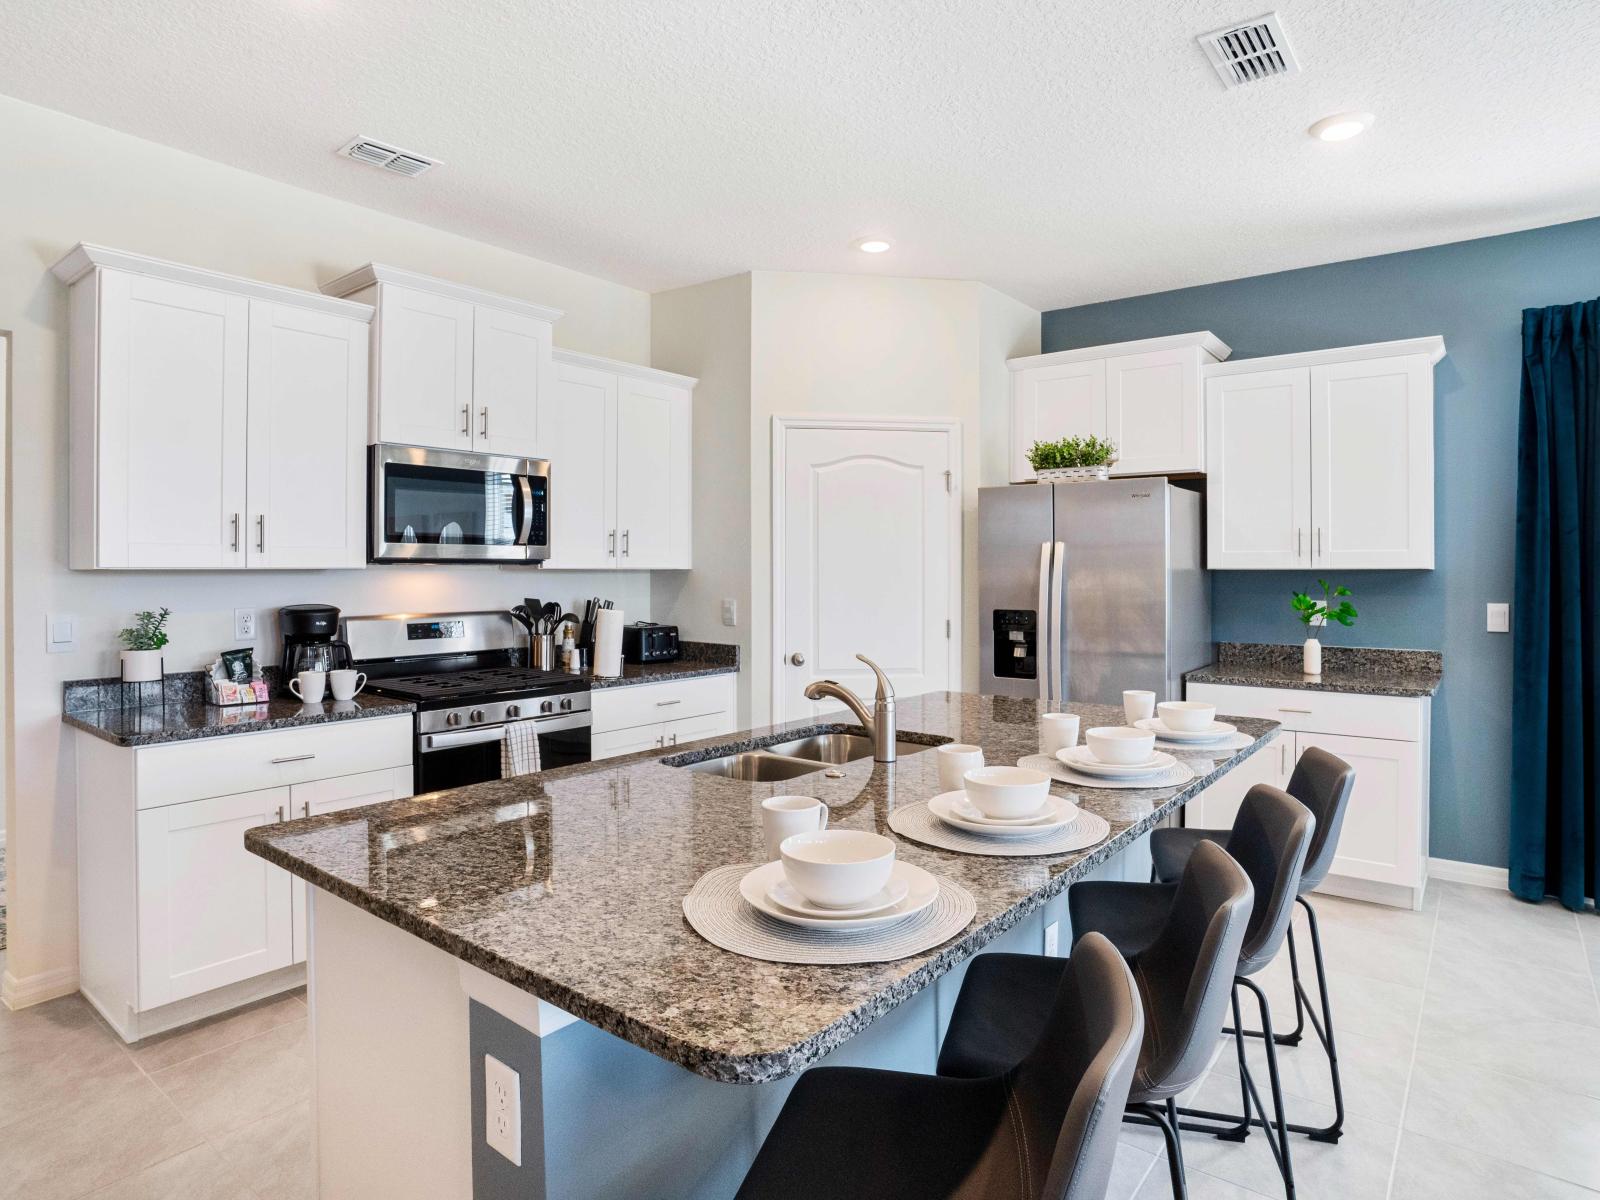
1401	718
693	729
617	742
245	762
649	703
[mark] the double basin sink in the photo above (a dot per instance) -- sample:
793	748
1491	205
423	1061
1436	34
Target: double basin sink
793	758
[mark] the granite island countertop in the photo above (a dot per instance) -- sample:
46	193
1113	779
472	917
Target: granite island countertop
1360	670
569	884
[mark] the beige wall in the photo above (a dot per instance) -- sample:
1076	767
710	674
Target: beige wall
63	181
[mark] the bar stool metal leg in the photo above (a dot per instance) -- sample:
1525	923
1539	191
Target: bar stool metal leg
1324	1031
1164	1118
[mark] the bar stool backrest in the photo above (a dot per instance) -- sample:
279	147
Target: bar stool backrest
1323	783
1270	836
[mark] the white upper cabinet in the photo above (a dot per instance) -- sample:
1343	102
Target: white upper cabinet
1322	460
208	411
457	368
620	469
1145	397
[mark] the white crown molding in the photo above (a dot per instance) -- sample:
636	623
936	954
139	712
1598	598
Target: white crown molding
653	374
1204	339
379	273
1433	347
86	257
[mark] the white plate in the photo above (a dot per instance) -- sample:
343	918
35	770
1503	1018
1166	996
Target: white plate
1082	760
785	895
1218	731
922	889
943	807
963	807
451	534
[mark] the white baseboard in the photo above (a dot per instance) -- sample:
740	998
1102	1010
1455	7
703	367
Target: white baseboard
36	989
1476	874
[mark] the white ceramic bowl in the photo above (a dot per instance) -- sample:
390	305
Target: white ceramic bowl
1003	793
1187	716
1120	745
837	868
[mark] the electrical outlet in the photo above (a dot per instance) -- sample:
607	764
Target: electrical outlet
1499	618
730	612
244	624
502	1109
1052	939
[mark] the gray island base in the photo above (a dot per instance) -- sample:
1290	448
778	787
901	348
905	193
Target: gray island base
538	920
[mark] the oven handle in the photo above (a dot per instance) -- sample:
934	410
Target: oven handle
495	733
526	488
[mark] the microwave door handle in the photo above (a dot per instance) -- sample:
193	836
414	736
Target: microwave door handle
526	489
1057	600
1041	647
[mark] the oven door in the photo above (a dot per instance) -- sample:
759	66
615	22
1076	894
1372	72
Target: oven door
449	506
468	756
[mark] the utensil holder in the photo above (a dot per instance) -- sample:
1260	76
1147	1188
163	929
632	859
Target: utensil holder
542	652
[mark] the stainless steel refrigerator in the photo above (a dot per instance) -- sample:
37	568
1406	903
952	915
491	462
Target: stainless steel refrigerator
1087	589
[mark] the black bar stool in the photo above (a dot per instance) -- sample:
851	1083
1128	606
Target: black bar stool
1035	1132
1184	976
1323	783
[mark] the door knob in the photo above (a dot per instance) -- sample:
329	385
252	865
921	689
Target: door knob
798	659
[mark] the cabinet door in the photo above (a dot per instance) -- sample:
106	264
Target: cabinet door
1215	807
1258	467
510	375
171	425
1382	835
1153	412
1049	403
652	474
332	795
210	912
583	481
307	439
1372	464
424	369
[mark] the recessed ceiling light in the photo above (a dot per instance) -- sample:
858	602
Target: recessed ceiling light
870	245
1341	126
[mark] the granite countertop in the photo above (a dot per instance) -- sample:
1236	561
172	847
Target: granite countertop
569	884
1369	672
185	720
698	658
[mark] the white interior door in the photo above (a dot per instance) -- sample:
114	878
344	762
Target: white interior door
866	541
1258	459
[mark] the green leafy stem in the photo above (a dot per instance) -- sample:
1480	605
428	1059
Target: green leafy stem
1316	613
148	631
1072	452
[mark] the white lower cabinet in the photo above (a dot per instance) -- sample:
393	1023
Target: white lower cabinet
1383	845
177	920
649	716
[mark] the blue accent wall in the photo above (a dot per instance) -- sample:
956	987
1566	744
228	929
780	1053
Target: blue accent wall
1473	293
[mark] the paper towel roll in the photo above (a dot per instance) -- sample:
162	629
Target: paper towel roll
608	642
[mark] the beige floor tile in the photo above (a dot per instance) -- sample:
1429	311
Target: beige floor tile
1373	1072
54	1055
1158	1186
1379	918
180	1045
1363	949
54	1019
197	1174
1426	1169
1514	1120
227	1089
106	1133
274	1153
1128	1172
1468	987
1495	924
1370	1007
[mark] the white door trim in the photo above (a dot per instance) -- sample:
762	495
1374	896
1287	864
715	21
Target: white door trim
780	429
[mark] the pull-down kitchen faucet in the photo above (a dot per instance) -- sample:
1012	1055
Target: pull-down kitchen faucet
880	724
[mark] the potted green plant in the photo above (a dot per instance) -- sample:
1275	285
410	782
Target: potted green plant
142	642
1315	614
1072	459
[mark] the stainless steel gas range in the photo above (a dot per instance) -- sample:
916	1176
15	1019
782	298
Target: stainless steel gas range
465	673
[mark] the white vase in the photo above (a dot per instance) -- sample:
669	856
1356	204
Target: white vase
1311	657
141	666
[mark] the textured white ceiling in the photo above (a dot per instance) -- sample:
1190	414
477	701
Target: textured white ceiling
1061	150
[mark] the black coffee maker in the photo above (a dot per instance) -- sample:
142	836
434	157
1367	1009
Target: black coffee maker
310	641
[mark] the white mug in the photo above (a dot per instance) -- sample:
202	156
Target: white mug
1057	731
955	760
309	686
1138	706
784	816
346	684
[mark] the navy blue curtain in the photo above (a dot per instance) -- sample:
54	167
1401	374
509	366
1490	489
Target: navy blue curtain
1555	750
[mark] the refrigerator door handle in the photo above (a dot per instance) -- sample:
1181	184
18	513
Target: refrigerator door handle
1057	652
1041	647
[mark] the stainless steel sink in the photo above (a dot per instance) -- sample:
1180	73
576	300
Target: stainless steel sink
800	756
756	767
839	747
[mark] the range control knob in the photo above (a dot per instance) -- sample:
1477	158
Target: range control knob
546	706
566	706
476	716
513	710
452	719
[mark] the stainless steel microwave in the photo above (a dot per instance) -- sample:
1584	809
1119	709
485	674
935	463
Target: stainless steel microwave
457	506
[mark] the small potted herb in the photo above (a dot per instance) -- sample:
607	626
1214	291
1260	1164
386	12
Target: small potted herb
1314	614
143	640
1072	459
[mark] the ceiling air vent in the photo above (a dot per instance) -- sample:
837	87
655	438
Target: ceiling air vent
390	158
1250	51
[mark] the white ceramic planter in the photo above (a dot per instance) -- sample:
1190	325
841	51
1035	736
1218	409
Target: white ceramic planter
1074	474
1311	657
141	666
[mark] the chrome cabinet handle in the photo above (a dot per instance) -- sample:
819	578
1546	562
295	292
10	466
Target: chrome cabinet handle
1042	642
261	533
1299	542
798	659
1283	758
674	739
483	414
662	740
667	703
466	420
1307	711
294	758
1319	541
236	531
613	551
625	540
280	812
305	809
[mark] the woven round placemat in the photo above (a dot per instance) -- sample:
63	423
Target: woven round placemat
1178	773
717	912
917	822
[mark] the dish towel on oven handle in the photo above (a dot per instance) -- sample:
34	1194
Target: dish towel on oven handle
519	749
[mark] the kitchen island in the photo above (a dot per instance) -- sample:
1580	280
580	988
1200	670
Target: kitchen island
539	920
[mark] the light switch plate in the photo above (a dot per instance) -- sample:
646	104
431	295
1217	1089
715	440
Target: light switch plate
730	612
502	1109
1499	618
60	633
